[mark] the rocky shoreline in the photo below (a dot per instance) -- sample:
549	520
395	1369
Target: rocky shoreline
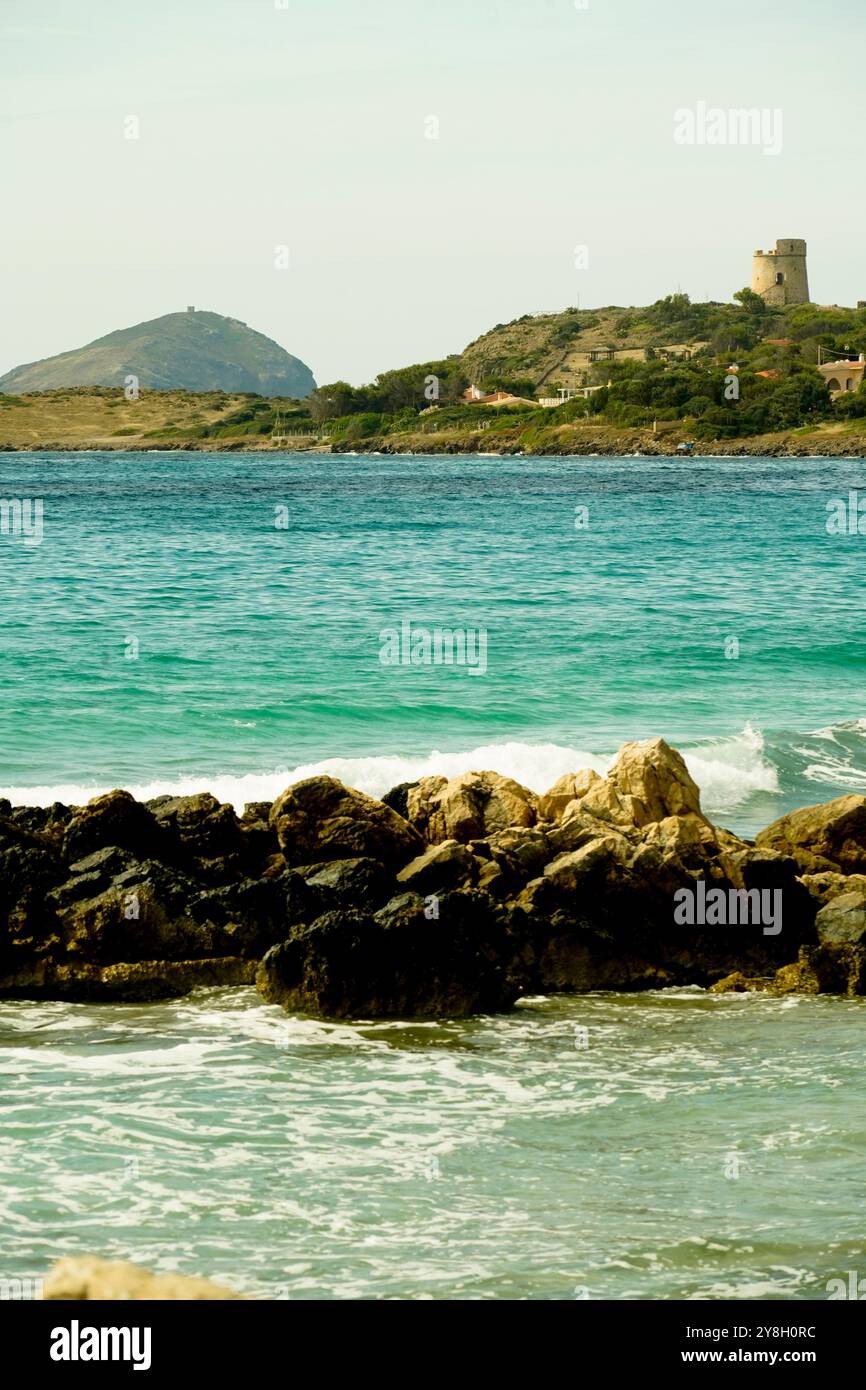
628	444
446	898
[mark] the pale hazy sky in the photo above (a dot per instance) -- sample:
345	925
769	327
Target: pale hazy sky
305	126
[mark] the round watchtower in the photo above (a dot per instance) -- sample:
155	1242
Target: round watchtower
779	276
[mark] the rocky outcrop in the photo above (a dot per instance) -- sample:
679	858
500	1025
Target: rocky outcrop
85	1277
468	807
843	921
405	961
830	837
443	866
450	896
128	983
114	819
652	780
321	819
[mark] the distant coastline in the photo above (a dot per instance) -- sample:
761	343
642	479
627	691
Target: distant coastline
102	419
621	445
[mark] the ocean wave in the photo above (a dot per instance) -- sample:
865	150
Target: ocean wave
749	775
727	770
536	766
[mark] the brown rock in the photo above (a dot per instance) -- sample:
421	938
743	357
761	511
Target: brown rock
445	865
831	836
570	787
85	1277
579	826
320	819
526	850
604	801
469	807
569	871
654	778
127	983
688	837
826	886
113	819
738	983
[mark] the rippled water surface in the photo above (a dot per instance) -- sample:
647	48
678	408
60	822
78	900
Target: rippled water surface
698	1146
166	635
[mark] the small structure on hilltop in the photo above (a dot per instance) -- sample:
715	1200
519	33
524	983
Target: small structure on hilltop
779	276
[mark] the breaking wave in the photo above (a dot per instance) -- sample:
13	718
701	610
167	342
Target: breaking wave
747	779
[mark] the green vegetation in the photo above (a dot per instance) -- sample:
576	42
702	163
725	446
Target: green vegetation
771	386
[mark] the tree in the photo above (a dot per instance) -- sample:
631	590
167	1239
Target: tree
330	402
751	302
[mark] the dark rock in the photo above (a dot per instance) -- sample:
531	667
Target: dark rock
826	969
113	819
443	866
396	964
396	908
843	921
47	819
206	828
30	868
251	915
361	883
144	914
398	798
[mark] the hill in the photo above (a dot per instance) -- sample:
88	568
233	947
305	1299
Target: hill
194	351
541	351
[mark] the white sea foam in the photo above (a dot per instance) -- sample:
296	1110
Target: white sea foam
727	770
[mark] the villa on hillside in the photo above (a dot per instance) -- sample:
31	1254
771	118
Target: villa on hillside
845	375
474	396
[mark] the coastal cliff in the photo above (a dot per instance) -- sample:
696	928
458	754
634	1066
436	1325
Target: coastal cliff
448	897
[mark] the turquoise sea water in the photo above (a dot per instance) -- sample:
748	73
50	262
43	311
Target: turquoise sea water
167	633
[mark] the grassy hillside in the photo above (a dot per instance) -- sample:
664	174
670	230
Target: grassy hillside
101	418
544	349
195	350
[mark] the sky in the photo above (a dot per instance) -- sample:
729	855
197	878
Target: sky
377	184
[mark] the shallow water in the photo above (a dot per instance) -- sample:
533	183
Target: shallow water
699	1146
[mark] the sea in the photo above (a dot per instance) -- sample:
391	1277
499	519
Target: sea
178	622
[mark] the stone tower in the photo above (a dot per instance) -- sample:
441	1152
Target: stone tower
779	276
